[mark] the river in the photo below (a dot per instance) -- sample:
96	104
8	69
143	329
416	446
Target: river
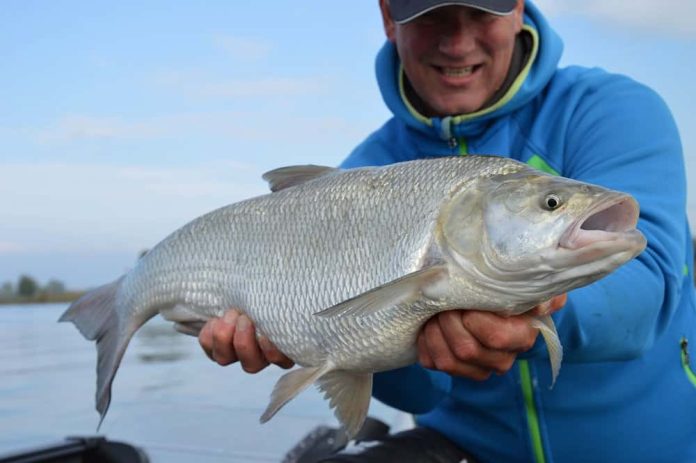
167	396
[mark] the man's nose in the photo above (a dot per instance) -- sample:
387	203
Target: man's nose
458	35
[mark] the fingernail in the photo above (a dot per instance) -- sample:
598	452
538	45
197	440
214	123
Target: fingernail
230	317
242	323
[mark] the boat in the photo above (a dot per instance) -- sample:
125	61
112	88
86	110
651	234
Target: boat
320	442
87	449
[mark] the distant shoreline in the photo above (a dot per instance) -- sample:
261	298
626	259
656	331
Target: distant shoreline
68	296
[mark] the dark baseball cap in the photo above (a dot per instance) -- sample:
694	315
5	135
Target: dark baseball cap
403	11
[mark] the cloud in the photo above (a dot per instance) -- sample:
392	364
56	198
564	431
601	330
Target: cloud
187	183
81	208
8	247
243	48
266	87
237	126
77	127
72	128
196	85
669	17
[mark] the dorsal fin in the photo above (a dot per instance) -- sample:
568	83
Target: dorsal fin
285	177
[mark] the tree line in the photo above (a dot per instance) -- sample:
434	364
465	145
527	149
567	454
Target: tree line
28	289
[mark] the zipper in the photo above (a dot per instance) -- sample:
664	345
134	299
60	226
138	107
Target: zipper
531	412
460	143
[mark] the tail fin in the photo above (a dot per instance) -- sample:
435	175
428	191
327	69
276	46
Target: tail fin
97	316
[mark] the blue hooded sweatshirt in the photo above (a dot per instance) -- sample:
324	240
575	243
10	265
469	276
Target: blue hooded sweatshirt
627	388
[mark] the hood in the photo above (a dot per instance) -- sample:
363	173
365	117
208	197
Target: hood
542	64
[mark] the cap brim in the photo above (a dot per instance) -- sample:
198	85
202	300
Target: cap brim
405	11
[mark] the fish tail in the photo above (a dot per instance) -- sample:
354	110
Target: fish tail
96	315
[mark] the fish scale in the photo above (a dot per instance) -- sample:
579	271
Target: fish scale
340	269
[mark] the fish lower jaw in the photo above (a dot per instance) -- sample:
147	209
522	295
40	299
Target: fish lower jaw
580	238
595	244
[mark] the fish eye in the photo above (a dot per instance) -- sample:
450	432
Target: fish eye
551	202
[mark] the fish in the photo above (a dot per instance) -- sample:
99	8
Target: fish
340	268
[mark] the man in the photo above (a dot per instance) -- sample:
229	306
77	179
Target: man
477	76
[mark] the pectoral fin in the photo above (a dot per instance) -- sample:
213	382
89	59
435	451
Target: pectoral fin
409	287
547	328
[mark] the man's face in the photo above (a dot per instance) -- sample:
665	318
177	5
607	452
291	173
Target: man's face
455	57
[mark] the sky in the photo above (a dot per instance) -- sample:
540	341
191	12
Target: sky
122	121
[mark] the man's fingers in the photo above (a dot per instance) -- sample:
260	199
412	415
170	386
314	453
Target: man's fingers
558	302
424	357
223	330
205	339
273	355
552	305
246	347
232	338
466	348
510	334
444	359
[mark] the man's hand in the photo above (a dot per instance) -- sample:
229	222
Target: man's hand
475	344
459	342
232	338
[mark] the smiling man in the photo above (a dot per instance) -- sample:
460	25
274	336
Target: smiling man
456	59
482	77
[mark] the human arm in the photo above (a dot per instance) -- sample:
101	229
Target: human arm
621	135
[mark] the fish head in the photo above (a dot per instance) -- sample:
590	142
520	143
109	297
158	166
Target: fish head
530	235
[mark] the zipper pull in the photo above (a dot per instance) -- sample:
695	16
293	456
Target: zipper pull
453	142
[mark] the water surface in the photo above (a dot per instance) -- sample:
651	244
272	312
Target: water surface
167	396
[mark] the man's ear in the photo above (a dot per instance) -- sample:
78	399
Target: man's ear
518	12
387	21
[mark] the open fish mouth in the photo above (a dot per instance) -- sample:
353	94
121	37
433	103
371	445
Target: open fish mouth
610	220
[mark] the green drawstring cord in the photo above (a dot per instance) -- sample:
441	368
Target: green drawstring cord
686	362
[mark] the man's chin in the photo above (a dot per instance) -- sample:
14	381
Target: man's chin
457	109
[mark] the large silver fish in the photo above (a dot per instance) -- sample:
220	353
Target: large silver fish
340	268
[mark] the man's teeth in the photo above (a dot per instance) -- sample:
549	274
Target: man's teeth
458	72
